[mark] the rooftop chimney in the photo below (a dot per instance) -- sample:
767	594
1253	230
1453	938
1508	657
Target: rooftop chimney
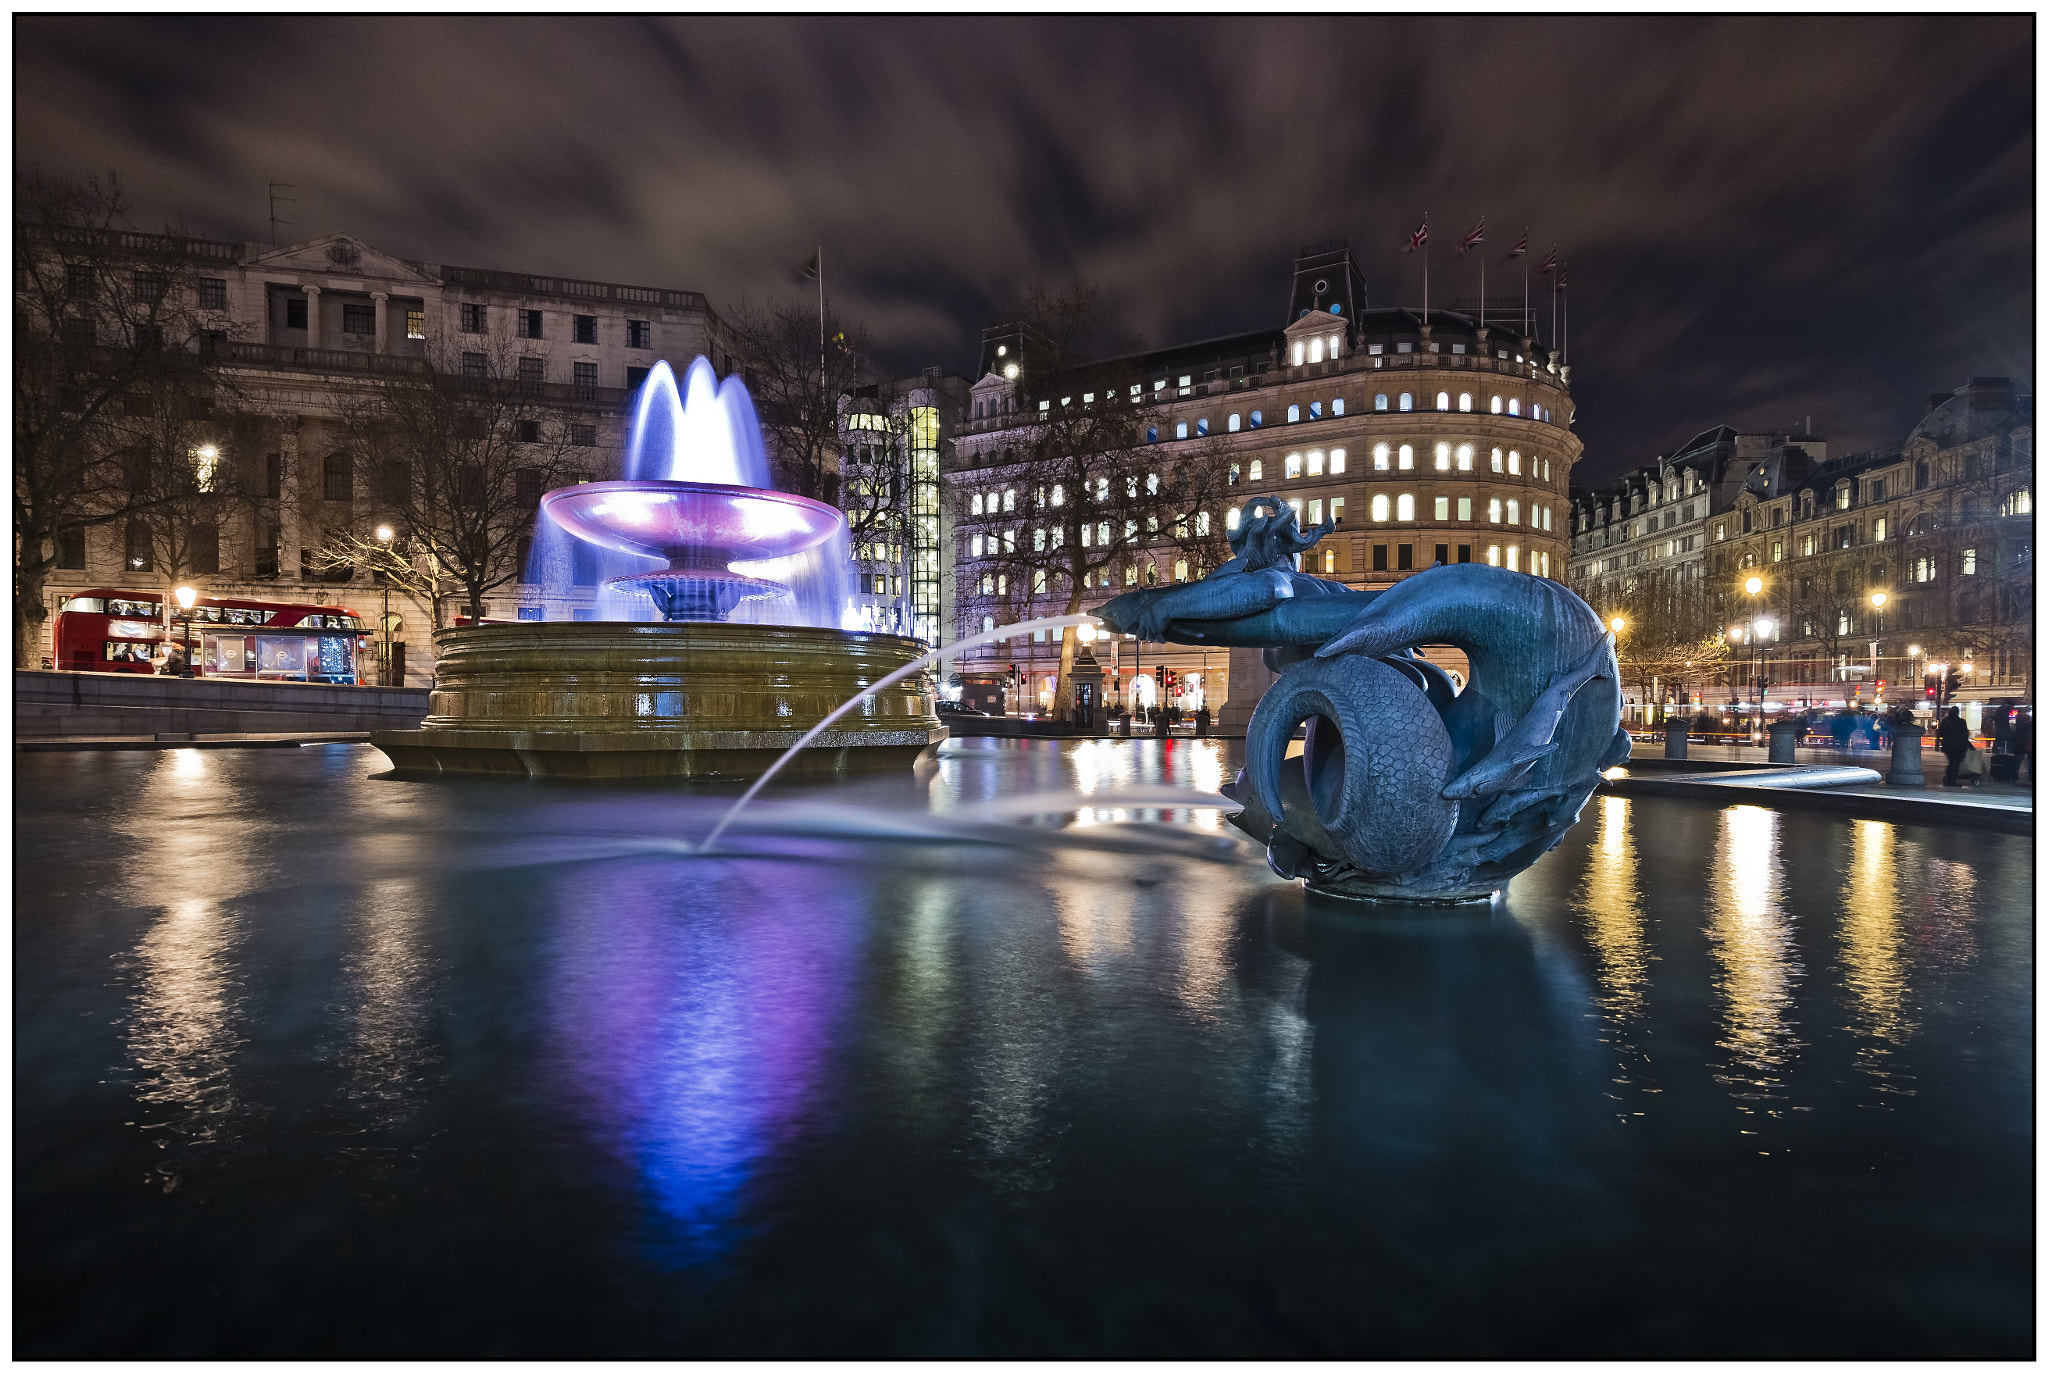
1991	393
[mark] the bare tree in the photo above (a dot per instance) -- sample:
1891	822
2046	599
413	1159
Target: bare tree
109	336
796	384
458	457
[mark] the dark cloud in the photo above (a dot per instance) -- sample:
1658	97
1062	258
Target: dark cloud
1765	219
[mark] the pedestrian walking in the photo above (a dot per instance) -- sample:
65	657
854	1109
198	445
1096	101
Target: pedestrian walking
1952	737
2023	743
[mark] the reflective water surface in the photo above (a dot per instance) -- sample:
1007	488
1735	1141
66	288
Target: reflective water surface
310	1063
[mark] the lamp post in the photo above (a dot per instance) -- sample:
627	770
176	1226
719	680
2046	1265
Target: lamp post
1877	600
1614	627
385	534
186	596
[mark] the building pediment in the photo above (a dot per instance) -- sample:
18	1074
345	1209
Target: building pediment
1313	322
340	255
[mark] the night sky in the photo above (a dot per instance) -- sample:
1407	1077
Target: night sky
1762	220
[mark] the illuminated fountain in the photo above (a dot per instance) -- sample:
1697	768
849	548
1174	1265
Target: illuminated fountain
744	655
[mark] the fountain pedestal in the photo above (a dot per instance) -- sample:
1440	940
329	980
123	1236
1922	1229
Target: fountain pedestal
598	700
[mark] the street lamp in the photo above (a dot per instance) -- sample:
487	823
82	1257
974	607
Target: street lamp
385	533
186	596
1616	624
1759	632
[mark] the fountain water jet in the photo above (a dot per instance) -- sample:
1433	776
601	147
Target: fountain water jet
723	683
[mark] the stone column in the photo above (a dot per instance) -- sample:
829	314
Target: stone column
1905	769
1249	679
1784	736
312	315
380	298
1677	731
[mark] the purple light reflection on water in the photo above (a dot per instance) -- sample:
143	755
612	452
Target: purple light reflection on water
692	1032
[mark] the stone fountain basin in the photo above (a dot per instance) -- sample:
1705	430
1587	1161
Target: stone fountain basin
603	699
691	523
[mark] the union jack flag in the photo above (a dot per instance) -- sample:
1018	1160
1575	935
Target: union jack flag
1473	239
1548	265
1521	247
1419	237
1560	273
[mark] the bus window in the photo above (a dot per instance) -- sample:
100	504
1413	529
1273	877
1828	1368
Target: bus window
147	610
84	605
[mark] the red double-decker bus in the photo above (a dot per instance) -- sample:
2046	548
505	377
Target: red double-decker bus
269	641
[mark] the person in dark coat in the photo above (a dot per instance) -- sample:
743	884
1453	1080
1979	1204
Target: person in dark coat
2023	743
1953	739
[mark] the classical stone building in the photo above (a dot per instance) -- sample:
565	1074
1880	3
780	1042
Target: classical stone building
1428	438
1870	566
295	331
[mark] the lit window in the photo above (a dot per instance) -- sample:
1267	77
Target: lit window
1258	469
1233	422
1315	409
1379	509
1151	484
1180	431
1514	407
1443	507
1151	435
1493	554
1315	349
1230	519
1293	468
1514	551
974	546
974	505
1407	401
1496	460
1300	352
1337	510
1496	405
1443	457
1514	463
1087	533
1295	506
1336	462
1514	512
1293	414
415	324
1180	569
1379	457
1335	341
1404	506
1201	522
1443	400
1257	419
1465	400
1379	402
1315	463
1337	406
1201	427
1493	511
1464	457
1969	562
1407	458
1546	563
1777	551
1464	507
1315	511
1546	517
1009	500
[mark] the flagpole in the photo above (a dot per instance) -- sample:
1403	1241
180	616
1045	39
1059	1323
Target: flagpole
822	397
1425	267
1482	289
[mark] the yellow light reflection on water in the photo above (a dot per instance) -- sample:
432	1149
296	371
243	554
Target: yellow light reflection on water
1873	934
1750	931
1610	902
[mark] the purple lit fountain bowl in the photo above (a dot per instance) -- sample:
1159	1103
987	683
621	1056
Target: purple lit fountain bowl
699	527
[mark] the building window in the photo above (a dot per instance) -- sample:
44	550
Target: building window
1336	462
1301	352
416	324
1337	406
1315	463
1493	511
586	328
1380	506
586	380
1407	457
639	333
472	318
1878	527
338	478
71	550
1292	466
1258	470
1514	463
1514	512
1315	409
1407	401
1465	400
1497	461
1493	555
532	371
635	376
136	548
532	612
1380	454
1514	406
1294	414
1151	435
1443	512
1496	405
1443	457
583	435
1337	509
1404	506
295	313
475	366
1443	400
1845	536
1379	402
1231	425
1969	562
1379	557
1920	473
1514	557
213	293
1180	430
1257	419
359	319
150	287
1465	513
1464	457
